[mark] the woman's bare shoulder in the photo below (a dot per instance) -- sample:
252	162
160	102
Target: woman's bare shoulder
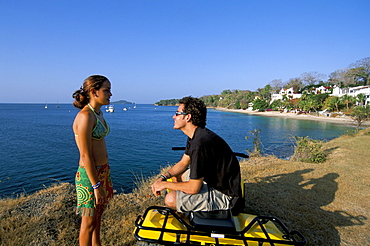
85	116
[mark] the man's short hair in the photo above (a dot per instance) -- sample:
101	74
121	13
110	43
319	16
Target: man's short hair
196	108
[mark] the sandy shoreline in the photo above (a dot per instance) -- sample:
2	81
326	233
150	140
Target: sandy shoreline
339	120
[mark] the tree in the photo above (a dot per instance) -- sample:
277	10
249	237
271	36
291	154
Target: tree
359	75
296	83
277	104
277	85
226	101
211	101
225	92
360	115
347	99
333	103
288	105
311	78
305	95
361	99
341	78
360	70
260	105
265	92
309	103
244	103
321	98
168	102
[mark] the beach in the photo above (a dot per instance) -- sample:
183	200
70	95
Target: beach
339	120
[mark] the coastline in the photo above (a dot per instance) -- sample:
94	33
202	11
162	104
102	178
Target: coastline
338	120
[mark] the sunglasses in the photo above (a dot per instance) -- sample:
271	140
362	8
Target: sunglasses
180	113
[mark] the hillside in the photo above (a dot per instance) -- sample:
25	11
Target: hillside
121	102
327	202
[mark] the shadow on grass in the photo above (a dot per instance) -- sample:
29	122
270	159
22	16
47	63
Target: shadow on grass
298	203
329	151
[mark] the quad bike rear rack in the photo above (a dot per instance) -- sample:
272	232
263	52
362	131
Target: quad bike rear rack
161	225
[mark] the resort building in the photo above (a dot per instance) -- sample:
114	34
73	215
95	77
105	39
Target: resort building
334	91
354	92
285	93
322	90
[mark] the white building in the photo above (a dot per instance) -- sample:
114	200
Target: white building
322	90
353	91
289	93
337	92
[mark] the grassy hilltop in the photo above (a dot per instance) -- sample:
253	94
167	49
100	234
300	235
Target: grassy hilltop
327	202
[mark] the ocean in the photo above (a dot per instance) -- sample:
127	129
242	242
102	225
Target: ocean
38	148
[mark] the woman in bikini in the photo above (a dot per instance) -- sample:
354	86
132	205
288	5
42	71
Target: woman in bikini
93	183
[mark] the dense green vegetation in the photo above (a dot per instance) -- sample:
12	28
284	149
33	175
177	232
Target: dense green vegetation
309	150
168	102
356	74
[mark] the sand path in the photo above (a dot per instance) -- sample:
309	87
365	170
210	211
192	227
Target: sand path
339	120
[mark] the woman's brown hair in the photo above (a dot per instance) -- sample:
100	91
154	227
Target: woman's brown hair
81	96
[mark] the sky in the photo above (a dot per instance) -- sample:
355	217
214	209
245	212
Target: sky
162	49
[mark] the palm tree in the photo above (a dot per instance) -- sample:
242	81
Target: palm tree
347	99
361	98
333	103
336	102
313	104
305	95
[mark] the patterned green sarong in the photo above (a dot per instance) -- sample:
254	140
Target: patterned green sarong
85	193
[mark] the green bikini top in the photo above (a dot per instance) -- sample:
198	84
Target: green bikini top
100	130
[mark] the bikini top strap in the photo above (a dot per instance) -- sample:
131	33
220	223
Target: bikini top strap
97	118
92	109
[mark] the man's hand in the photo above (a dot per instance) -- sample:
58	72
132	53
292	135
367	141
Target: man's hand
158	186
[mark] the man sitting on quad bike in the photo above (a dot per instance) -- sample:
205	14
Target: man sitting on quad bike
207	177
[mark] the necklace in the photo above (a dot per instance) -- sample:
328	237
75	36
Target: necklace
97	113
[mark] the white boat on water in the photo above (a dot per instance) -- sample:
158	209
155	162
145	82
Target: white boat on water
124	109
110	109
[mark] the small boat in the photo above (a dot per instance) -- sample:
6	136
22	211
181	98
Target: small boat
110	109
46	105
124	109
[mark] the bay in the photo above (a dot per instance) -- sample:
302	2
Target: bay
38	149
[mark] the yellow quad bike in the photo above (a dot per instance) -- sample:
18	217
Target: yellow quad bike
163	226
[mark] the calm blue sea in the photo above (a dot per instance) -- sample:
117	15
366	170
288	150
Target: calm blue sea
37	144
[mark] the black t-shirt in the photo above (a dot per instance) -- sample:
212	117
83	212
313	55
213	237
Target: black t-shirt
212	159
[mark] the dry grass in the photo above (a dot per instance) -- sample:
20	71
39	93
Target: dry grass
327	202
44	218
